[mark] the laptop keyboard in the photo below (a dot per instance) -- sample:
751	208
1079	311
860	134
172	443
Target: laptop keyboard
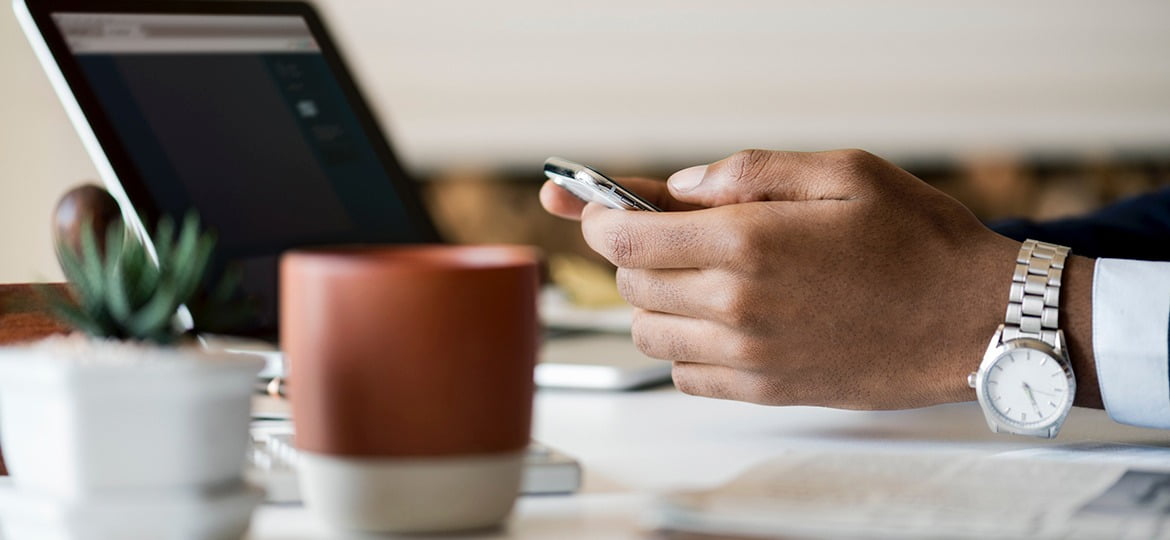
272	463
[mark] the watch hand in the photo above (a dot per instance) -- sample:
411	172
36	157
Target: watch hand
1032	397
1044	393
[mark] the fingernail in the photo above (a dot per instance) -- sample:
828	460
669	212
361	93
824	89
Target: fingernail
687	179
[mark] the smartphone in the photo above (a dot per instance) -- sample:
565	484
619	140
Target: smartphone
590	185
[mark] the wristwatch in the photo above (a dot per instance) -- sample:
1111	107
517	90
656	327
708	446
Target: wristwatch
1025	383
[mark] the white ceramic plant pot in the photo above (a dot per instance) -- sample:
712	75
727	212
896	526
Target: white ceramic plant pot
175	516
79	417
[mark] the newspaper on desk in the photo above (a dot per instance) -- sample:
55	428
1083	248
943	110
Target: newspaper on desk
851	495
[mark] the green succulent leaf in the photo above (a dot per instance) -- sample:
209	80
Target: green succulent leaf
191	276
70	265
121	292
142	275
164	238
78	319
159	309
117	272
90	282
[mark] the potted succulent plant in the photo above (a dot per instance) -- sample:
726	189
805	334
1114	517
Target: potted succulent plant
130	405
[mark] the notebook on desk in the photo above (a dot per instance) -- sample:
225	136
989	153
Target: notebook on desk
246	113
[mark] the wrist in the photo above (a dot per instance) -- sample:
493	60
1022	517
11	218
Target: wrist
1076	320
988	298
1030	353
987	278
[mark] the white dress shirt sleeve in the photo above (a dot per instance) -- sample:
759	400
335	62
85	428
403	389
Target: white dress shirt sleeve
1131	340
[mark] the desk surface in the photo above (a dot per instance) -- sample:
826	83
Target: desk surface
632	445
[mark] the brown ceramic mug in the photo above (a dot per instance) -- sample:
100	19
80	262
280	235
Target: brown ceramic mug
411	381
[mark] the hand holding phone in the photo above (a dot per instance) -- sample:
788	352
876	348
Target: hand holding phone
590	185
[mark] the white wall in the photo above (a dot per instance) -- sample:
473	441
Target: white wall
40	158
679	81
614	82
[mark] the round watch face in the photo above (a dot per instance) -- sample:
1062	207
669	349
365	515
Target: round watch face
1027	387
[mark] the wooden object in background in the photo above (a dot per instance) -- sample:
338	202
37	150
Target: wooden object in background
24	313
996	186
470	207
24	316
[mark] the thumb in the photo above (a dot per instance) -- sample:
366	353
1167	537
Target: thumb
764	175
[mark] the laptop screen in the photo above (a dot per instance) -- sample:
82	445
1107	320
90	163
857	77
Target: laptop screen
241	118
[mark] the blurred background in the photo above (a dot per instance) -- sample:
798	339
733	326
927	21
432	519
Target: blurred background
1043	108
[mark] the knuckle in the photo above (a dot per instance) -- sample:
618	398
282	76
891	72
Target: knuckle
627	285
752	388
620	245
744	246
649	338
854	159
744	350
737	240
643	342
690	379
736	308
764	389
641	333
684	379
660	344
748	164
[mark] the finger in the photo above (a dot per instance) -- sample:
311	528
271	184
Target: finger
559	202
722	382
657	192
685	339
675	338
696	239
700	294
764	175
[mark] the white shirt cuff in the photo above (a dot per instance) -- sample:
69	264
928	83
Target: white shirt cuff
1131	337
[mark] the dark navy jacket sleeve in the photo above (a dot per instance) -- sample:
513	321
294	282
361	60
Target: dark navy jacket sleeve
1135	228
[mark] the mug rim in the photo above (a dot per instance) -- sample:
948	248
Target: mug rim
431	256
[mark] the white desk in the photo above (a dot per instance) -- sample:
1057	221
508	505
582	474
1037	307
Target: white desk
634	444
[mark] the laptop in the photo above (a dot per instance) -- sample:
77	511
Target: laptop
247	113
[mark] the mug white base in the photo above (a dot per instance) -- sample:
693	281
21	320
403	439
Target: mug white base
410	494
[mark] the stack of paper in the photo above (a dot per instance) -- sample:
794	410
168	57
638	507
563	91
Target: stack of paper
852	495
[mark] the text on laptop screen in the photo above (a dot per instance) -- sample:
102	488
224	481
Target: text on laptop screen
240	118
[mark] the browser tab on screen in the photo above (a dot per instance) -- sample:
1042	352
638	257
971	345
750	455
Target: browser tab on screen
99	33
